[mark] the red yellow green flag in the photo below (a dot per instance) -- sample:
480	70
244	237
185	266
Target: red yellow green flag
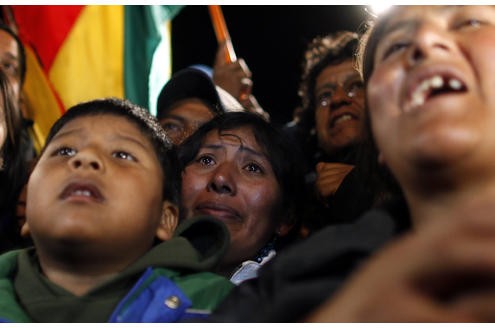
78	53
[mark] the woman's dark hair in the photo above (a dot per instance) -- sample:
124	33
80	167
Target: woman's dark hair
282	155
369	42
147	124
378	176
11	150
14	172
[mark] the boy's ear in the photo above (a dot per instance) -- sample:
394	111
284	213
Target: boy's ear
25	232
168	221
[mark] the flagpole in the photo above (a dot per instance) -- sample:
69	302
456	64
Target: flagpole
223	37
221	32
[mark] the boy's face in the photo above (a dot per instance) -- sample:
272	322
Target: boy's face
98	184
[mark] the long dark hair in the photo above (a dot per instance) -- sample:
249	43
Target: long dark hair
14	173
380	177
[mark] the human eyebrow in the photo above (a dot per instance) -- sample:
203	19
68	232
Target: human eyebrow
405	24
67	133
253	152
212	146
242	148
174	117
131	140
11	56
352	76
326	86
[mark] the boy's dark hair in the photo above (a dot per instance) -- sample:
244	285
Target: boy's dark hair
22	52
146	123
283	157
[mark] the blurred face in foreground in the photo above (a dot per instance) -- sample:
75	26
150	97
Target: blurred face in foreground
430	93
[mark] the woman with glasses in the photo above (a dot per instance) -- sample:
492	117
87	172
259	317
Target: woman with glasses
329	129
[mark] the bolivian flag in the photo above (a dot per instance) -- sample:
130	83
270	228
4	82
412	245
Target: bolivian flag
78	53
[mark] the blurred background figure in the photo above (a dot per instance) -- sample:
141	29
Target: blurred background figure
329	128
328	124
190	99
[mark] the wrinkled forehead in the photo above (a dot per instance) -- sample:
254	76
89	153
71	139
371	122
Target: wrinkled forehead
241	139
410	17
83	127
237	136
405	16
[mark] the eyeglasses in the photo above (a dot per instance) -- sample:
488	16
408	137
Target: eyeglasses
352	88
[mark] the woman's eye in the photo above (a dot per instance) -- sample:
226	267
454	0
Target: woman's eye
64	151
354	88
10	68
324	99
172	127
205	160
124	155
253	167
394	48
471	22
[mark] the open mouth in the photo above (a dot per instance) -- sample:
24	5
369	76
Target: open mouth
341	118
434	86
82	191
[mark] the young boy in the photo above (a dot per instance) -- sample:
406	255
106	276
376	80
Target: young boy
103	192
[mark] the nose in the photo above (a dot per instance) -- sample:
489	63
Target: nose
339	98
86	159
222	180
429	40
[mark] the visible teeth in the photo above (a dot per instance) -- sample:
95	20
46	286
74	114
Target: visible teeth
345	117
455	84
419	95
418	99
86	193
436	82
425	85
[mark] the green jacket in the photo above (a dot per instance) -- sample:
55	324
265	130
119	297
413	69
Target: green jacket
167	284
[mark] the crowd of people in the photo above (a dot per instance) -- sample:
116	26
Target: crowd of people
372	205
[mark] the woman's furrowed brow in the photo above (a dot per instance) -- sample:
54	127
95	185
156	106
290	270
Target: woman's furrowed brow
241	147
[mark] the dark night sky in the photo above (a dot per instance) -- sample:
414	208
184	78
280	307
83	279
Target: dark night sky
271	39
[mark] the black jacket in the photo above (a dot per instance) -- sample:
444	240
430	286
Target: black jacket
293	284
